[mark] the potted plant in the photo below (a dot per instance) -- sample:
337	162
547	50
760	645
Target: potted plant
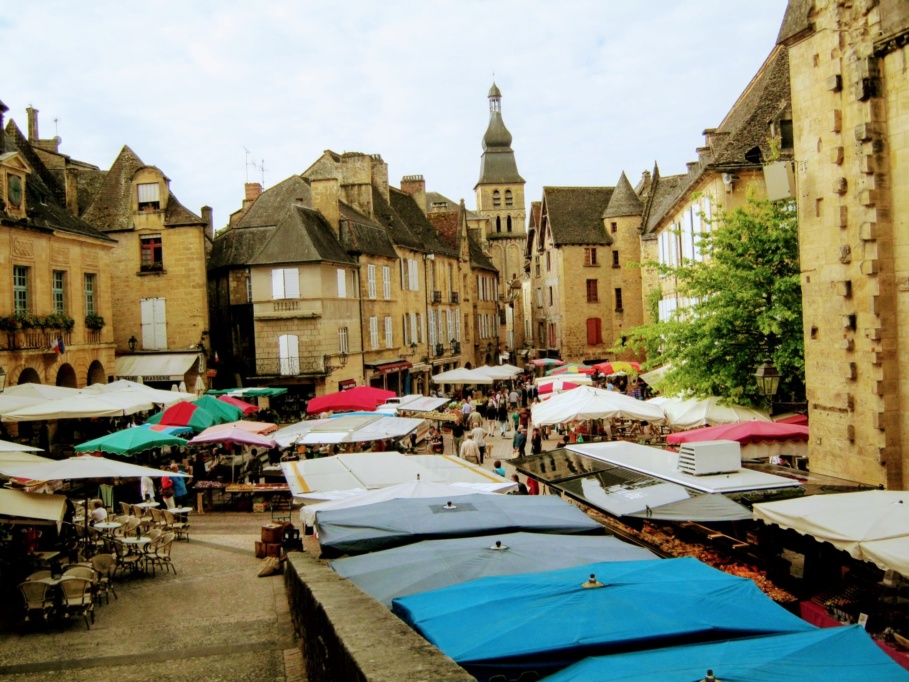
9	323
94	322
60	321
28	320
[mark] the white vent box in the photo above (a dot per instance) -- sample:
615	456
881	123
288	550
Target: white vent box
710	457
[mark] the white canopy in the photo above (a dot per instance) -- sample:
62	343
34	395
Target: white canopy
86	466
497	372
692	413
587	402
359	429
17	505
408	489
9	446
289	435
11	403
115	404
137	390
40	391
872	525
573	378
462	376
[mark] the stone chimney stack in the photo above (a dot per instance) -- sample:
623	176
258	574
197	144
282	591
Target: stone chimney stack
207	217
415	186
32	124
380	175
325	199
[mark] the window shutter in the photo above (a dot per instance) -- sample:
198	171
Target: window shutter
458	327
288	354
291	283
441	329
431	315
414	276
342	284
404	284
413	326
148	192
386	282
389	336
146	306
371	280
160	324
405	327
449	319
374	332
277	284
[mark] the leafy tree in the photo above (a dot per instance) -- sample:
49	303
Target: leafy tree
747	306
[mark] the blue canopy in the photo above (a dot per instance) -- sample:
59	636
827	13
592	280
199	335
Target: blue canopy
401	521
831	655
543	622
432	564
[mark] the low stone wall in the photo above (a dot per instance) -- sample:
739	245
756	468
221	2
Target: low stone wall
347	635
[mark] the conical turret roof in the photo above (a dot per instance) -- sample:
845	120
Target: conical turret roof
624	202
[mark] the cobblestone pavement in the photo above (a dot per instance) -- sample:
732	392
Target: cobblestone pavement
214	620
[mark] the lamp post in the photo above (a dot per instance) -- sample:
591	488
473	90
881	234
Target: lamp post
768	380
133	342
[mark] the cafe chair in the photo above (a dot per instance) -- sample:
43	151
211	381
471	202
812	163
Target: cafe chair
180	528
125	508
38	598
130	528
158	519
160	556
127	560
105	566
78	599
39	575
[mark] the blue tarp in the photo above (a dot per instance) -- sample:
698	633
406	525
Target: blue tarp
432	564
543	622
402	521
832	655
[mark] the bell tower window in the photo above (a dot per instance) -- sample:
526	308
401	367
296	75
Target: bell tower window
498	223
509	200
508	224
496	199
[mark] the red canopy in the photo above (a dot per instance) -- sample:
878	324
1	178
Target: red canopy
553	385
608	368
801	419
361	398
247	408
743	432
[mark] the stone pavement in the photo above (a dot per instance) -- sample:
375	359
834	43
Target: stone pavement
214	620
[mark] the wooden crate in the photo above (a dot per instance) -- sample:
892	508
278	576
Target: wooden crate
261	551
273	549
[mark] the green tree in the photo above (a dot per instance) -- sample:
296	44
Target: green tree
746	306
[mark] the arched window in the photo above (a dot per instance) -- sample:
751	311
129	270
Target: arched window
508	224
509	201
496	199
498	223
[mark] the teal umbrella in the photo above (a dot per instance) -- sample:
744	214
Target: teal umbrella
225	412
130	442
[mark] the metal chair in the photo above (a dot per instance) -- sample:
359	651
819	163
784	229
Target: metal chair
38	598
160	556
105	566
78	599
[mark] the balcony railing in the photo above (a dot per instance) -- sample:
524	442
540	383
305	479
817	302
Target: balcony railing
286	305
454	297
289	367
456	348
436	296
34	339
440	349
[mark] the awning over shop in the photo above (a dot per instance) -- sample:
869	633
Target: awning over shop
388	366
156	366
27	507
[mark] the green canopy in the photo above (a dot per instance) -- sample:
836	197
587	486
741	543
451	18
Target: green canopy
130	441
225	412
248	392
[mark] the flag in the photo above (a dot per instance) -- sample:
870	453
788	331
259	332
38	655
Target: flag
58	346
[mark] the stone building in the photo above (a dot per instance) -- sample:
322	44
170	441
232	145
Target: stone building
849	91
57	270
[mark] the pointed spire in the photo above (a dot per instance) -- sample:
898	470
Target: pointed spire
497	164
623	202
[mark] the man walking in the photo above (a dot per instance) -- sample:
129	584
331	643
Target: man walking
469	450
479	437
457	435
520	442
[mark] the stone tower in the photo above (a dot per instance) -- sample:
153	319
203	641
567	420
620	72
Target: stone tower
500	200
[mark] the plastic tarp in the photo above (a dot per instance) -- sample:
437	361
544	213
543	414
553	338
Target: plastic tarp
15	504
359	429
830	655
848	521
708	508
289	435
543	622
400	522
587	402
462	376
433	564
691	413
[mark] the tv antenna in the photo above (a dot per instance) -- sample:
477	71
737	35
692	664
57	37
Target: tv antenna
258	166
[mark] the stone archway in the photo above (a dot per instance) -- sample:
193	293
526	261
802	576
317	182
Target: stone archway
469	365
66	376
29	376
96	373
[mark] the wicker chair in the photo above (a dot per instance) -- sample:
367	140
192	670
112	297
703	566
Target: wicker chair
160	555
39	575
105	565
180	528
126	560
78	599
39	599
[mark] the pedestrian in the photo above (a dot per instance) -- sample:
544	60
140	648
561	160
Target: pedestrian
520	442
479	437
522	489
469	449
524	417
457	435
492	407
536	442
179	486
498	468
502	416
476	417
516	420
466	408
513	398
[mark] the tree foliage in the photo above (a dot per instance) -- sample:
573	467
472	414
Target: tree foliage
746	307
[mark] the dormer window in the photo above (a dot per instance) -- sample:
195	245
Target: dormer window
786	135
148	196
496	199
14	189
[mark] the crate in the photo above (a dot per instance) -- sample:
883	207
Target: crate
261	551
273	549
272	532
258	507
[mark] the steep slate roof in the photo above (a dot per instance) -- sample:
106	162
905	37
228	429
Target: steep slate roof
478	259
177	215
497	165
663	194
536	211
446	225
273	203
360	234
624	202
301	236
234	247
575	214
400	230
796	20
44	211
19	142
438	199
422	227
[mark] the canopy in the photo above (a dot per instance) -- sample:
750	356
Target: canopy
759	439
608	368
156	366
360	429
571	368
130	442
587	402
40	391
11	403
155	395
462	376
409	489
690	413
848	521
262	428
84	406
546	362
289	435
557	386
433	564
827	655
800	419
245	407
656	375
20	456
357	398
545	621
234	435
186	414
249	392
9	446
85	466
22	506
497	372
225	412
164	428
400	522
582	379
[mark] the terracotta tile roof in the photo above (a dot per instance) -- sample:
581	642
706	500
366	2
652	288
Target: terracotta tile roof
575	214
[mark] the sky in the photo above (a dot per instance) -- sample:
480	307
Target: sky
213	91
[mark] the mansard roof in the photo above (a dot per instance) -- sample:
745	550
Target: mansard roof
574	214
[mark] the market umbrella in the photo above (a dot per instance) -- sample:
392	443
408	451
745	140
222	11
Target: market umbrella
432	564
130	441
587	402
546	362
168	429
42	391
358	398
496	372
690	413
262	428
185	414
572	368
224	411
83	466
20	456
82	407
242	405
608	368
758	438
558	386
9	446
462	375
11	403
233	435
135	388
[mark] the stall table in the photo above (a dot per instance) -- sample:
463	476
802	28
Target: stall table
243	491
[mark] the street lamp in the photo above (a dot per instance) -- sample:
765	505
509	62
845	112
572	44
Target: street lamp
768	379
133	342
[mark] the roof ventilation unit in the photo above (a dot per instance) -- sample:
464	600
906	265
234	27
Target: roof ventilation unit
710	457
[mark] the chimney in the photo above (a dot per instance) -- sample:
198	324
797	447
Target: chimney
415	186
3	110
32	124
207	217
380	175
325	194
251	192
71	186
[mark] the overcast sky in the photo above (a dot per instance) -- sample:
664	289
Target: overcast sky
589	89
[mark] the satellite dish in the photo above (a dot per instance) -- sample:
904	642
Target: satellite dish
58	140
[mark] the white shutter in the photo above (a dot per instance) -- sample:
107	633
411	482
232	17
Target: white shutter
386	282
371	280
277	284
413	326
412	275
342	284
148	192
291	283
146	306
160	325
441	336
431	315
288	354
374	332
458	327
389	334
449	318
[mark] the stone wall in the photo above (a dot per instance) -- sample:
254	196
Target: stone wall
347	635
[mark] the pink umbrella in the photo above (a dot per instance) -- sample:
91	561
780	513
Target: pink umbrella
556	386
262	428
233	435
247	408
743	432
547	362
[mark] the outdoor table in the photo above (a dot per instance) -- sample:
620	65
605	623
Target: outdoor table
147	505
107	526
180	511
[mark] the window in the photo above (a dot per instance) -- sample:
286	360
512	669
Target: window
618	300
59	291
389	334
458	326
152	257
548	261
592	295
508	224
496	199
615	259
551	299
498	223
449	321
509	199
594	331
590	255
88	291
374	332
342	340
20	288
418	333
148	196
414	275
154	324
249	298
536	263
786	136
431	323
614	227
539	297
288	355
285	283
342	284
405	327
371	280
553	335
386	282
